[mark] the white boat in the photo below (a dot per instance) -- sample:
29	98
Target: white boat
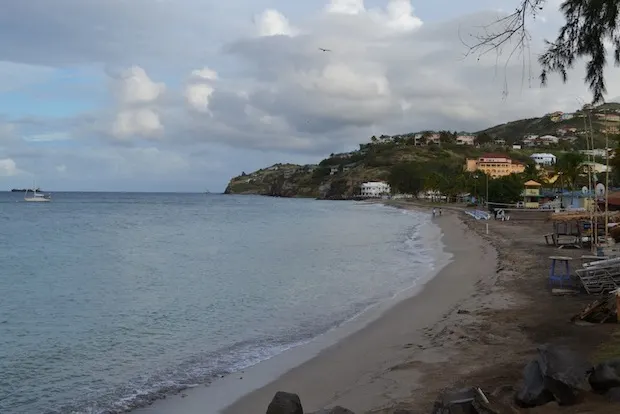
37	197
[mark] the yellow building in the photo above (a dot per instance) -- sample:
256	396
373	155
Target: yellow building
494	165
531	194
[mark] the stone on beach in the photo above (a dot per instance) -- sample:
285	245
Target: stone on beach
605	376
285	403
557	374
335	410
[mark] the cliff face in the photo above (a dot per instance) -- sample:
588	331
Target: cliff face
315	181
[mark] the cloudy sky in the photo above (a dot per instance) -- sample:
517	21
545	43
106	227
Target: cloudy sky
180	95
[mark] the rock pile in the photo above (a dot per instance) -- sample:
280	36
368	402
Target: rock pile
556	374
288	403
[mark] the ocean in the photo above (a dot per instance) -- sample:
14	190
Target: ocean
108	301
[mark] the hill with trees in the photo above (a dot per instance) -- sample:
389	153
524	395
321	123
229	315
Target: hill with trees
430	160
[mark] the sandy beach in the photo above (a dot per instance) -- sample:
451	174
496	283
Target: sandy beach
477	322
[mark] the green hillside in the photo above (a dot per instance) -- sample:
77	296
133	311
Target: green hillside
339	176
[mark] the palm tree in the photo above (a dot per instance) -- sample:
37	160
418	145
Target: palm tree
569	166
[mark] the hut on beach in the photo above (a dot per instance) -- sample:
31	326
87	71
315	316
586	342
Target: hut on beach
578	226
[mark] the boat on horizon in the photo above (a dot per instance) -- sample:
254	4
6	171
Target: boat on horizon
23	190
37	197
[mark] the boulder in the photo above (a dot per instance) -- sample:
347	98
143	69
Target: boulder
335	410
557	374
613	394
285	403
605	376
533	392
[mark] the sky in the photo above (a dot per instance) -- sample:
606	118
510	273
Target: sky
182	95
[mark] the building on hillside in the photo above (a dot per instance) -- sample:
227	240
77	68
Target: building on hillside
530	140
531	194
466	139
597	152
549	139
374	189
433	138
494	165
556	116
499	142
516	146
417	138
611	129
333	170
595	167
566	117
608	117
543	158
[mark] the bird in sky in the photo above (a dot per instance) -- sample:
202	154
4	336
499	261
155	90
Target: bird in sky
324	50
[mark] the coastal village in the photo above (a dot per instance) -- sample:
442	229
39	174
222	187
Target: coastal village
562	152
546	203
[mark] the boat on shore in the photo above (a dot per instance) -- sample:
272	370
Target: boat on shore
37	197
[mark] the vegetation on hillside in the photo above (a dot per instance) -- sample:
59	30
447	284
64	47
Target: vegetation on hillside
434	161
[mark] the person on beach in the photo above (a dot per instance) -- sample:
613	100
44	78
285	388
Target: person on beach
440	211
434	212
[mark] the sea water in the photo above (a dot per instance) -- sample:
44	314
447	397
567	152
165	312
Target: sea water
108	301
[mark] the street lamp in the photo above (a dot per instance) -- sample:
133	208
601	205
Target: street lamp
487	188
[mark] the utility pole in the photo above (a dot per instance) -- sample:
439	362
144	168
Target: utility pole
487	199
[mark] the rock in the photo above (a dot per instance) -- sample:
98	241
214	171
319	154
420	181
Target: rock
556	374
613	394
605	376
285	403
533	392
335	410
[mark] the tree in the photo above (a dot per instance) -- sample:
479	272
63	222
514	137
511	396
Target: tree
531	172
482	139
446	137
406	178
373	139
588	25
505	189
614	163
569	164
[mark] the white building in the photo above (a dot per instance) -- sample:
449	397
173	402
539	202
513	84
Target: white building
466	139
543	158
375	189
549	139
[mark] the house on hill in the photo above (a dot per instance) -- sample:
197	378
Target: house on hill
543	158
466	139
494	165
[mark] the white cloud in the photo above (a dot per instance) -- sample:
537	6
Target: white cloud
8	168
204	74
135	86
199	89
346	6
400	15
62	168
197	96
137	122
137	113
273	23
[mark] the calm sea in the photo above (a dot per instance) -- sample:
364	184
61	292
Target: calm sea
110	300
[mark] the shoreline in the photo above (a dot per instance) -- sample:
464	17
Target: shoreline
383	337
